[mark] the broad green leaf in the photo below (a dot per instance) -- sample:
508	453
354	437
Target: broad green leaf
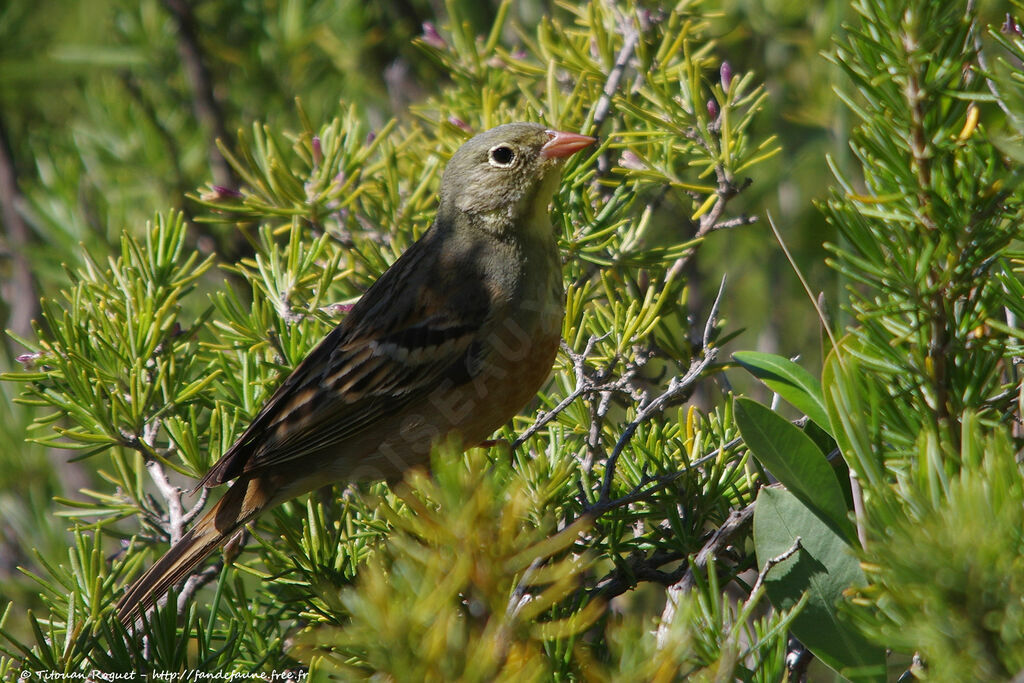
793	458
788	380
823	567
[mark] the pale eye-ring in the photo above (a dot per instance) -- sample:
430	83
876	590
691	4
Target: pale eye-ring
501	155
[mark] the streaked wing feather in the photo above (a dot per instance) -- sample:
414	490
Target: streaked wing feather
350	405
342	387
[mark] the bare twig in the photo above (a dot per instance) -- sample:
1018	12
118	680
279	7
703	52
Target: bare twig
731	643
19	290
768	565
194	511
582	386
520	597
196	581
171	494
630	38
723	534
207	109
676	387
639	569
709	325
710	221
859	514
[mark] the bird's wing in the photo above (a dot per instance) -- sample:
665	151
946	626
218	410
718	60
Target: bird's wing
371	366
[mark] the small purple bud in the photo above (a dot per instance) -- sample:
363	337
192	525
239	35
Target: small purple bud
28	360
460	124
725	73
227	192
519	53
370	137
217	193
318	152
713	109
1010	25
337	309
631	160
431	37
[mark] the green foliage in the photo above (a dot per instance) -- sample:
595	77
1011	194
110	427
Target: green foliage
796	461
483	571
925	241
802	533
461	588
821	570
789	381
921	390
116	354
947	578
610	536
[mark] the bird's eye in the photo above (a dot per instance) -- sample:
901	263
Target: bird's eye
501	155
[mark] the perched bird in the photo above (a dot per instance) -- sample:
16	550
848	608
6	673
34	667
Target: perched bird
456	336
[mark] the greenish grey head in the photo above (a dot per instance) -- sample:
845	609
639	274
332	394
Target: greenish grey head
507	173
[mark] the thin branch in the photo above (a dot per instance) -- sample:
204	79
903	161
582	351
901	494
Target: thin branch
710	221
194	511
630	39
992	86
649	485
582	386
709	324
731	643
639	569
859	514
196	581
676	387
737	222
19	289
172	495
207	109
520	594
714	545
772	561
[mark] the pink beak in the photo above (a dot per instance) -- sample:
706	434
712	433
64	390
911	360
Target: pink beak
563	144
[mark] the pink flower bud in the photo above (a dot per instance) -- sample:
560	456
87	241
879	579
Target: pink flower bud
337	309
318	152
1010	25
217	193
431	37
725	73
460	124
28	360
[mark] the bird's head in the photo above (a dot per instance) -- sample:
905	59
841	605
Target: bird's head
505	176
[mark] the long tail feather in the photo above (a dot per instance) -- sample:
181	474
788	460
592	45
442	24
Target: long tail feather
241	503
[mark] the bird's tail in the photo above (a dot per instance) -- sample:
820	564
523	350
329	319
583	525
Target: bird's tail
240	504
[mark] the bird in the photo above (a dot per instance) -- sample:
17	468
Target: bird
454	338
